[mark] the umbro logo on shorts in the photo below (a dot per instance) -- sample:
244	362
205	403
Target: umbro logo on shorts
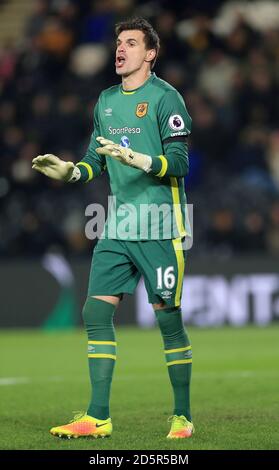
166	294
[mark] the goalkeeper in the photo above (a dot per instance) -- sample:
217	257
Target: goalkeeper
140	137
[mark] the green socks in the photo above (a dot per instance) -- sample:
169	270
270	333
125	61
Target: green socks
98	320
178	354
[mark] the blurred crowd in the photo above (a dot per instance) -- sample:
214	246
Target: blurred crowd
225	63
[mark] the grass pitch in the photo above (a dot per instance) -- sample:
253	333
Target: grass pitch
235	405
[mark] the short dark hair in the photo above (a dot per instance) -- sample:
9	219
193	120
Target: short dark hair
151	37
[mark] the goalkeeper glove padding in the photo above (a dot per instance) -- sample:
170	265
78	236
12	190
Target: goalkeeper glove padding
124	155
57	169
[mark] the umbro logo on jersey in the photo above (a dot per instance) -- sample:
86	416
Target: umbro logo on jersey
108	112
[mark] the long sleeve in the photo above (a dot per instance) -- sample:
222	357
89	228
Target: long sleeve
175	125
174	161
93	164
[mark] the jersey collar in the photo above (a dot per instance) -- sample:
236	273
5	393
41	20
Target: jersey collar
132	92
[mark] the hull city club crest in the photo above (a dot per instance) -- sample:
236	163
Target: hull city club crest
141	110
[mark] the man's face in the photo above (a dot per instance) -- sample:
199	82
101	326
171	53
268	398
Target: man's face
131	52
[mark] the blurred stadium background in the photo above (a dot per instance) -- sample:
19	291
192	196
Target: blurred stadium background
56	56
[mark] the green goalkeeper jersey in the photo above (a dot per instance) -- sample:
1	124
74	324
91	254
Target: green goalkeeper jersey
152	120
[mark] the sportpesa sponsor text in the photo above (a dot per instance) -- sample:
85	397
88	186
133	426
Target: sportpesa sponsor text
137	130
124	130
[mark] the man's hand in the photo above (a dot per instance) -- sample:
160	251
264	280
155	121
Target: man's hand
124	155
53	167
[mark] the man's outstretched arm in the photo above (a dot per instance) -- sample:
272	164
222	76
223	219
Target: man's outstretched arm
89	167
173	163
55	168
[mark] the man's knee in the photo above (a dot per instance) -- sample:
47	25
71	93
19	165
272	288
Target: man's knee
159	306
169	319
96	311
111	299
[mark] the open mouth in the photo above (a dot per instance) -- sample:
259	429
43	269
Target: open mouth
120	61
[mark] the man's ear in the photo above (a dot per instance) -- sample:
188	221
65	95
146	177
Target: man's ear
151	54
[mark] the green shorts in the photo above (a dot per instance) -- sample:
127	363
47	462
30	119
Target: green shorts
117	266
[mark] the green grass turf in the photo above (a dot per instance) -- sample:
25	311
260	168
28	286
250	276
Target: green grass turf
234	389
